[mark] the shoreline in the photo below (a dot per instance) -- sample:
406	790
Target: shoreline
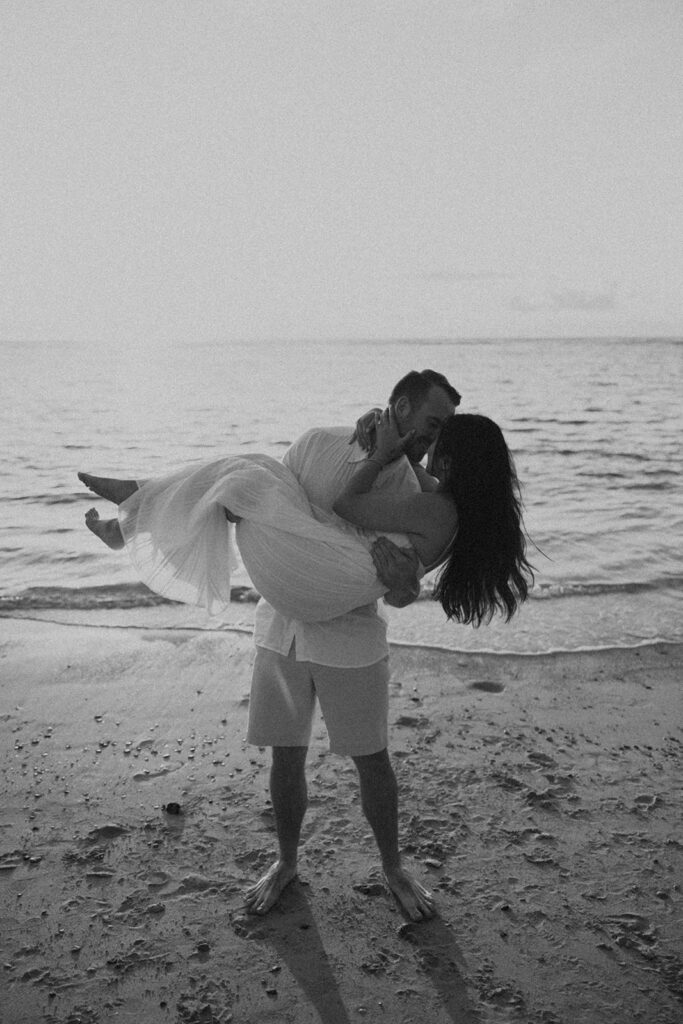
540	799
626	616
174	616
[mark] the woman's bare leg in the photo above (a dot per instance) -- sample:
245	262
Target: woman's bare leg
109	488
108	530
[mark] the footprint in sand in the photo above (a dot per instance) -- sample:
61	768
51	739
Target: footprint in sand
632	931
412	721
197	884
486	686
370	888
157	879
93	847
147	774
541	759
103	832
541	860
11	860
647	802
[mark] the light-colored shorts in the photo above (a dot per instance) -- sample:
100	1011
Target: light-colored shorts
354	703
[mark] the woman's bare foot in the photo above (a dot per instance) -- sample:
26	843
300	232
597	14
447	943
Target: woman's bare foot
109	488
265	893
108	530
416	902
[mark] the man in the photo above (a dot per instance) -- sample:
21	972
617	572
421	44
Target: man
342	663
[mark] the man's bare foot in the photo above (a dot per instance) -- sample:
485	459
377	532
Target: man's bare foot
108	530
264	894
108	488
416	902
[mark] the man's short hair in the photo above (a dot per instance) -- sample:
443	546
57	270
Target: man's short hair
417	384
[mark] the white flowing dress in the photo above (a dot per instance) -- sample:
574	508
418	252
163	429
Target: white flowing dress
308	564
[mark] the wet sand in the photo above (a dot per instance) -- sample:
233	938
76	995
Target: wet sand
541	801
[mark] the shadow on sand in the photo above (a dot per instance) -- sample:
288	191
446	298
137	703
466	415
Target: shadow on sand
439	957
299	945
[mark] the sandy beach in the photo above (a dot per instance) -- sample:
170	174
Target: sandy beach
541	801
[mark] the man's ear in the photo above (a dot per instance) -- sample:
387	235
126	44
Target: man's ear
402	408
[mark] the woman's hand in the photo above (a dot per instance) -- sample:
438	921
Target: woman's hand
389	444
364	433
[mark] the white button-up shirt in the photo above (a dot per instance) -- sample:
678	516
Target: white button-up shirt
323	461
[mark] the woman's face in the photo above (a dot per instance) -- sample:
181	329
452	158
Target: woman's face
438	465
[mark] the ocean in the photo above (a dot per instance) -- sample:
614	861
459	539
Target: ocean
595	427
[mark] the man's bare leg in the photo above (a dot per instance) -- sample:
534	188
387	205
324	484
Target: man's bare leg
109	488
379	797
108	530
289	796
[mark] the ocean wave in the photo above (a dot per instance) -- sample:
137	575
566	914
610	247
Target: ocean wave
606	455
137	595
125	595
118	595
624	645
48	499
550	591
651	485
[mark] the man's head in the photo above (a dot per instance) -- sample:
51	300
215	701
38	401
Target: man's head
422	401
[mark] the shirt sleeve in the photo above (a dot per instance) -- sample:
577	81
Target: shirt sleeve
295	456
400	477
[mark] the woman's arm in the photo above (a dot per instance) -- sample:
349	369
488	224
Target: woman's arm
425	479
388	446
380	508
378	511
365	434
429	519
416	514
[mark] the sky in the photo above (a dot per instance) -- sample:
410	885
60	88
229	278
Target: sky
197	170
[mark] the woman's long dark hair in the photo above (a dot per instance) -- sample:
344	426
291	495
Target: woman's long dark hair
487	570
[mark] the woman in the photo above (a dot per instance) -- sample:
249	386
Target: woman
472	522
312	566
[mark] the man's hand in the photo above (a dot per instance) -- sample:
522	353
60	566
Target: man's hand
366	426
397	569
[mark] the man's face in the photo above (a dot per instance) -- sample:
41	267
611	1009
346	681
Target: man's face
426	420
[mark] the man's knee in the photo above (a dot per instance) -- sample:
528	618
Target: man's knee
289	760
370	765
